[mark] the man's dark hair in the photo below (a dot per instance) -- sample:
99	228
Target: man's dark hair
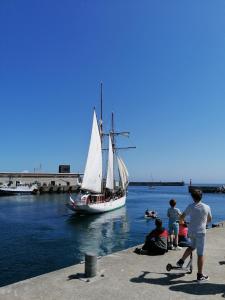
173	202
196	195
158	222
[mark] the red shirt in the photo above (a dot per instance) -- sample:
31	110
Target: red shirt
183	230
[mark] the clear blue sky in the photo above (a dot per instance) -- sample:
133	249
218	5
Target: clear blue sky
163	68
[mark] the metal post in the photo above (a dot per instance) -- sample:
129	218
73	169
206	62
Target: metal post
90	265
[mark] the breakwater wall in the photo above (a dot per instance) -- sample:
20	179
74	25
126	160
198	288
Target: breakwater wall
206	189
157	183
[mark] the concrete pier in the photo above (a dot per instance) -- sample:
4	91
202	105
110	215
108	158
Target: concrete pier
126	275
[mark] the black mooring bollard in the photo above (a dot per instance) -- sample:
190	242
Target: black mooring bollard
90	265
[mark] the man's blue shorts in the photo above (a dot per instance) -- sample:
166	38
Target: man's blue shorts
198	242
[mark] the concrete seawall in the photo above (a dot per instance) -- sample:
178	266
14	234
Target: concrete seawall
206	189
126	275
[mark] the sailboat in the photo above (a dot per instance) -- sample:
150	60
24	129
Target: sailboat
151	185
99	194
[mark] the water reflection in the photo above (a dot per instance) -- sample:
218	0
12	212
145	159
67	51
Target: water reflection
101	234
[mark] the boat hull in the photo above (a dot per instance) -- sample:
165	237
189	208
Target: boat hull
150	217
97	208
11	192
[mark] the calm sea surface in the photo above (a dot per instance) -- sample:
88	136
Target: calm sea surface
39	234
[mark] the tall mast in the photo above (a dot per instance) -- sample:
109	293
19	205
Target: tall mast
112	132
101	124
113	146
101	115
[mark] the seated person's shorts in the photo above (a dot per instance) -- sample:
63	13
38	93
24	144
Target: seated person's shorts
198	242
173	228
184	241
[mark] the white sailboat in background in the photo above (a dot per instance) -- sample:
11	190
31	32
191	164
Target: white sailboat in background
98	194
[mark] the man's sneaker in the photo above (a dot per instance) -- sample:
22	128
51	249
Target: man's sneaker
178	248
180	263
202	278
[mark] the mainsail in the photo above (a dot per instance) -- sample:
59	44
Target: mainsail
123	172
92	179
110	175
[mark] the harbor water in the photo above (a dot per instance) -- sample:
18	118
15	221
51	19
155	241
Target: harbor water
39	234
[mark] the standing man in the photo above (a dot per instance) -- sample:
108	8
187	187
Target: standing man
200	215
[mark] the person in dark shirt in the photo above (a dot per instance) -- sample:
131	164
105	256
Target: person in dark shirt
155	242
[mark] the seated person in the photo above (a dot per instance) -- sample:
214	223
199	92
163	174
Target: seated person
147	212
156	241
183	240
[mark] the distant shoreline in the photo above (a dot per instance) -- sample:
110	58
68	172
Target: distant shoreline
156	183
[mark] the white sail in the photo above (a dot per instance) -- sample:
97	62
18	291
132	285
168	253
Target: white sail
110	175
125	169
123	173
92	179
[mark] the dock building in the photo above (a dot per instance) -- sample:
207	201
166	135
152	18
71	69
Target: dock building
47	182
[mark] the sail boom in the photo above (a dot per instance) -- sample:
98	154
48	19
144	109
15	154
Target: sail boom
119	148
124	133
